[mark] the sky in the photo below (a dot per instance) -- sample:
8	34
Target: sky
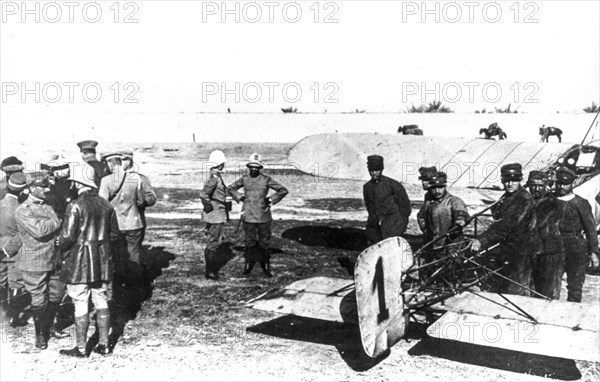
339	56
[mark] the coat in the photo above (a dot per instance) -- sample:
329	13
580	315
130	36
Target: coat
383	198
578	218
513	214
213	194
545	225
38	226
256	209
123	190
85	240
436	217
100	170
9	233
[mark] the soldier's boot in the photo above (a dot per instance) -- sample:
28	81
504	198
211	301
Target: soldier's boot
209	259
81	327
265	262
39	318
52	328
103	325
17	305
249	262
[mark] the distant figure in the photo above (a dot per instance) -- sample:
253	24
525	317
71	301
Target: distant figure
410	130
228	110
492	131
546	132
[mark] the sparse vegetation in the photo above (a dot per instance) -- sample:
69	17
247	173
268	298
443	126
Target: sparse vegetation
290	109
431	107
359	111
593	108
507	110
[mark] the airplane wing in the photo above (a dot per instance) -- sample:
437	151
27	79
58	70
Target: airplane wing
558	328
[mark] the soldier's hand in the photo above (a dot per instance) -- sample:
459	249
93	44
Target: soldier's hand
594	261
475	245
243	199
208	208
268	201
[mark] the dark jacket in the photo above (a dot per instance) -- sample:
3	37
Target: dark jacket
9	233
436	217
544	226
61	194
578	219
38	225
385	197
214	194
514	214
100	170
89	226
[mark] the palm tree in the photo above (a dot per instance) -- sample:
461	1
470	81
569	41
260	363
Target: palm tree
592	109
431	107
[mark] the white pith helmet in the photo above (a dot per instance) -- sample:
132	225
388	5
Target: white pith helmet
217	157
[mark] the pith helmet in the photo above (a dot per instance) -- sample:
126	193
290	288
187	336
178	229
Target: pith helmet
255	161
81	174
217	157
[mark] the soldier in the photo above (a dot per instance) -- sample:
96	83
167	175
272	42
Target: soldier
549	256
577	221
512	229
442	212
89	227
215	212
9	166
62	190
121	189
256	214
387	203
146	193
38	225
9	245
88	154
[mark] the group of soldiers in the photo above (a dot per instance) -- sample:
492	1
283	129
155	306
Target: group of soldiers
256	215
541	233
70	231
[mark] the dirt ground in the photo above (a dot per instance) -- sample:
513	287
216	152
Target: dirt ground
180	326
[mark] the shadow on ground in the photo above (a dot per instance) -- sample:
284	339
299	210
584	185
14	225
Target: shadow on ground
351	239
345	337
128	295
526	363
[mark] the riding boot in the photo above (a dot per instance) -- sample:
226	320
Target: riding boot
209	259
81	327
4	305
17	305
248	266
39	321
265	262
103	325
52	327
249	260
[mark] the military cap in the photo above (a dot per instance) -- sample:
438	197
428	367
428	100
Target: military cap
427	172
126	154
375	162
564	175
87	145
511	171
112	155
254	161
17	181
439	179
537	175
11	164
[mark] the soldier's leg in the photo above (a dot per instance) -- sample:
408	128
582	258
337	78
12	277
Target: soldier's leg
134	250
575	264
4	293
373	234
264	238
393	225
100	300
80	294
58	290
19	298
250	241
547	275
36	283
520	273
214	236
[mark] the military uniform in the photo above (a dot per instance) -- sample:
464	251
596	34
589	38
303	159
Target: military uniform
214	215
388	206
89	227
511	230
38	225
9	166
436	217
100	168
549	252
122	190
256	214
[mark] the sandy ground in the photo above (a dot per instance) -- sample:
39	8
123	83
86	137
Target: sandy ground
182	327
